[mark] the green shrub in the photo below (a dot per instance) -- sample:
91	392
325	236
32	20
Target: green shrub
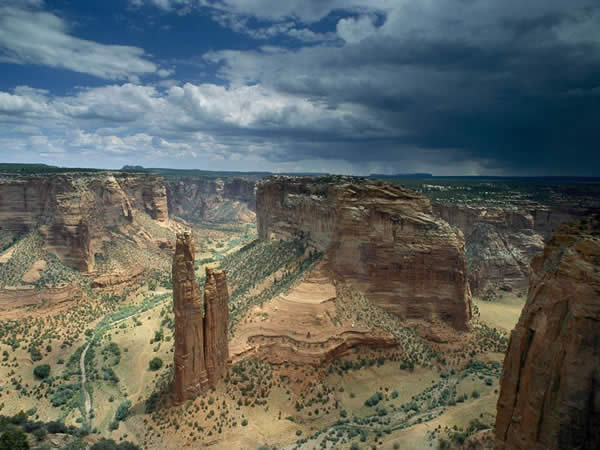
374	399
155	364
64	393
123	411
35	354
14	439
109	444
42	371
109	374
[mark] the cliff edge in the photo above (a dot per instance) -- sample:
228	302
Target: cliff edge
381	238
550	385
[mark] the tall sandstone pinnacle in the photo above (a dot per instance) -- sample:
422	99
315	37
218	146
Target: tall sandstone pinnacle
550	385
201	345
216	346
191	376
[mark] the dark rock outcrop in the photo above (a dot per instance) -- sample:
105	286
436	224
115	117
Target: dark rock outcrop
201	345
381	238
550	385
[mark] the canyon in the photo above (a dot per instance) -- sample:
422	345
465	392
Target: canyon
346	311
501	241
211	199
75	212
78	213
549	396
381	238
201	347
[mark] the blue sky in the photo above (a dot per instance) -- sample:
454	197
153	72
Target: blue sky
450	87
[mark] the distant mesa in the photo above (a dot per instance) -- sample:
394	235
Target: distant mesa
381	238
401	175
550	385
201	333
128	168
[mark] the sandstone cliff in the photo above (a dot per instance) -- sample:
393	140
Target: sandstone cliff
501	241
191	376
381	238
216	318
201	345
73	211
200	199
550	385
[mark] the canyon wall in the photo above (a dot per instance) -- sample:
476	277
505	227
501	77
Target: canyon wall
550	384
501	242
201	343
211	199
381	238
73	211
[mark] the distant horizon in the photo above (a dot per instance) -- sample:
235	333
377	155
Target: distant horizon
415	175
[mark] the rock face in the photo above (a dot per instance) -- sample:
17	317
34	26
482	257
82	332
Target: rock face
199	199
73	211
201	346
501	242
191	376
550	385
381	238
216	304
305	326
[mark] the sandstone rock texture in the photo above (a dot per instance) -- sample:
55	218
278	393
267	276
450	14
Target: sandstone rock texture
191	376
501	242
216	319
73	211
303	326
201	345
199	199
550	385
381	238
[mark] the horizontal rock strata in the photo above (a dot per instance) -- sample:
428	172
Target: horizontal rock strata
384	239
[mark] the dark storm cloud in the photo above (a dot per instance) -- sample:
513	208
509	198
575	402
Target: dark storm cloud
515	93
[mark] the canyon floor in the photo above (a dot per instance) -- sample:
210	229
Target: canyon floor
313	366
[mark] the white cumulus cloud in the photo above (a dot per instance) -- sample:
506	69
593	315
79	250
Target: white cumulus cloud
29	35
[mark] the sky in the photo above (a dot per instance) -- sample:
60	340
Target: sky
449	87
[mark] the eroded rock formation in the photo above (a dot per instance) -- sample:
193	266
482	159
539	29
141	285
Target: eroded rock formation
381	238
216	318
74	211
199	199
550	385
191	376
501	242
305	326
201	346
